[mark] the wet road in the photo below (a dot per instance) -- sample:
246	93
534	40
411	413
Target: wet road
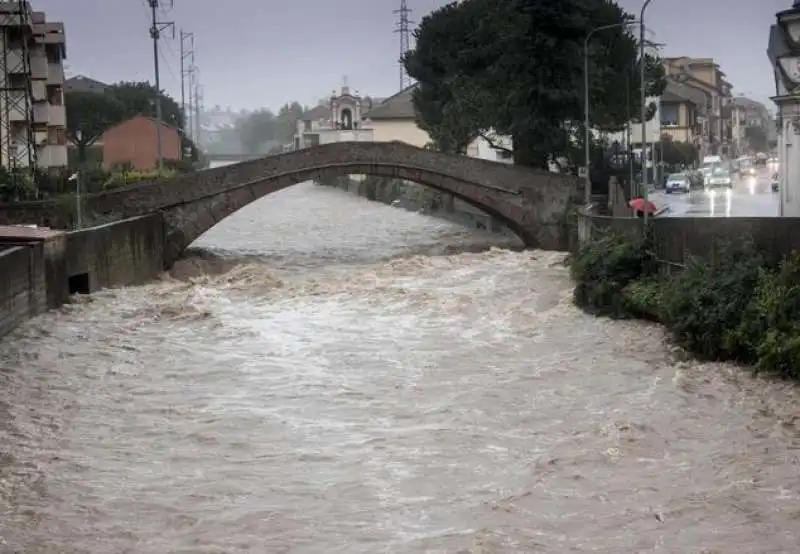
751	196
343	377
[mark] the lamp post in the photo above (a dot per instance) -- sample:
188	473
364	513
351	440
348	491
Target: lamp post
587	185
644	106
78	177
784	54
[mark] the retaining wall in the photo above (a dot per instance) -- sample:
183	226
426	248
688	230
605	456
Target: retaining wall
415	197
44	273
23	293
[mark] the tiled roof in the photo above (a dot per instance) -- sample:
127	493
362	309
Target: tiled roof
81	83
317	112
399	106
683	92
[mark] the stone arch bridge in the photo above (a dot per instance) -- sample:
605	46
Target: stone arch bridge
531	203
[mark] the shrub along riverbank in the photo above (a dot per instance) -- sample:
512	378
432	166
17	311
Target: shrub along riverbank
739	306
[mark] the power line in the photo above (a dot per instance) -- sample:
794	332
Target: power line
17	135
403	28
156	28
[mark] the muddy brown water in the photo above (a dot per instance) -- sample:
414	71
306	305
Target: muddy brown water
329	375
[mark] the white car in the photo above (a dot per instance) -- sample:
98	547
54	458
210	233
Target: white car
719	178
678	182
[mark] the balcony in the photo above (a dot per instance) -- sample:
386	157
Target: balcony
677	134
52	156
55	74
57	116
327	136
39	67
39	91
41	113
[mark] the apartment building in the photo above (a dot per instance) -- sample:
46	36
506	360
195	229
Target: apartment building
705	75
32	112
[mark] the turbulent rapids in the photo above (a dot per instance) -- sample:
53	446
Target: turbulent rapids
325	374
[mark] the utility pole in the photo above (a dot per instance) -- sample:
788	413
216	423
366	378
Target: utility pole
156	28
198	102
404	30
186	53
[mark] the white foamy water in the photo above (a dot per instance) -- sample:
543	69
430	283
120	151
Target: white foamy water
330	375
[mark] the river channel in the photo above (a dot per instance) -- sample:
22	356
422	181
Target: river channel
330	375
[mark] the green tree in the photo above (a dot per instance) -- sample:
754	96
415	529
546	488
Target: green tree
515	67
256	129
90	114
756	138
287	119
675	153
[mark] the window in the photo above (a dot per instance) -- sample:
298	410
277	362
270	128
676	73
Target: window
57	136
307	126
669	114
55	96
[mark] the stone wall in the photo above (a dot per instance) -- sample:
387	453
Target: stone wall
23	292
418	198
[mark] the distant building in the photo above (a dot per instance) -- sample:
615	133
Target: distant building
134	142
81	83
396	119
749	113
33	88
337	120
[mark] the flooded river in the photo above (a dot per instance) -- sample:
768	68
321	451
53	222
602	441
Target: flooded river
330	375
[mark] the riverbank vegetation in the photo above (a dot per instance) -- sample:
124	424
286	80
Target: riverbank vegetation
738	306
94	178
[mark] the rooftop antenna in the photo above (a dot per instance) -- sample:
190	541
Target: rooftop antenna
404	30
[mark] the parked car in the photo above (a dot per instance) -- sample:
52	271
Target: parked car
678	182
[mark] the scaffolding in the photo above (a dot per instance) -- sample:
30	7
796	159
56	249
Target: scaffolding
17	137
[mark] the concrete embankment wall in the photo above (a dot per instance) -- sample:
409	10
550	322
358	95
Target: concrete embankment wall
418	198
23	292
42	273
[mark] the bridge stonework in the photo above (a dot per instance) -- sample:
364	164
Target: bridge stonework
531	203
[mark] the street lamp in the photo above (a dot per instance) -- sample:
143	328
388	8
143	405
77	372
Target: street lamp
78	177
587	185
784	54
643	106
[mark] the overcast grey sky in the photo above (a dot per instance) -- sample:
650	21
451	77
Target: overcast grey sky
254	53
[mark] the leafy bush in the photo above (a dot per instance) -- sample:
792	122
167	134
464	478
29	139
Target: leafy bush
604	267
704	304
771	324
739	305
644	299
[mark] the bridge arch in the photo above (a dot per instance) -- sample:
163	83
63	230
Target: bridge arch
186	222
531	203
